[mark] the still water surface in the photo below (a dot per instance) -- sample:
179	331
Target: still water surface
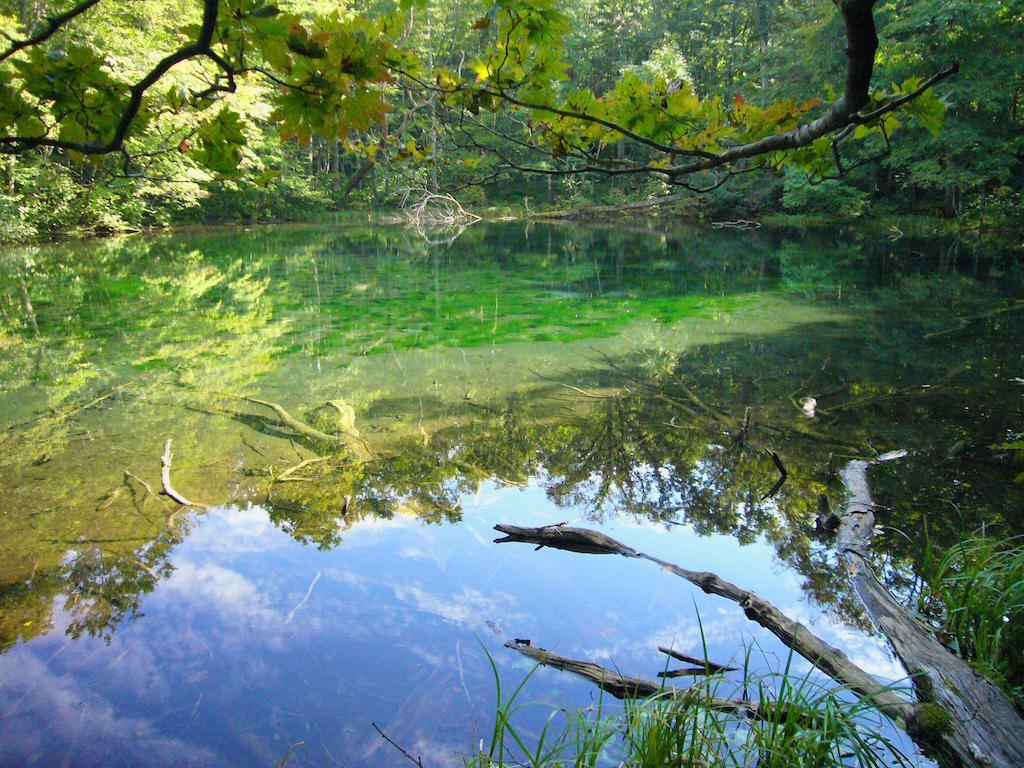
520	374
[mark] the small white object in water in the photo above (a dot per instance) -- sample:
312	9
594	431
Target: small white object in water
809	405
892	455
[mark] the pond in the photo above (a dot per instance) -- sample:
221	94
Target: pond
352	408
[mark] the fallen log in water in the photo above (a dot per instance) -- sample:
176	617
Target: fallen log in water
795	635
626	687
561	536
970	722
983	724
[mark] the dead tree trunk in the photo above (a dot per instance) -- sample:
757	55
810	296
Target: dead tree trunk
961	730
983	723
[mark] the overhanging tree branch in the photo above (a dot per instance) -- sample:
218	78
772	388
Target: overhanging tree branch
202	47
838	120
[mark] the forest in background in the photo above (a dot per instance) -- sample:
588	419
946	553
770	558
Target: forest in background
754	51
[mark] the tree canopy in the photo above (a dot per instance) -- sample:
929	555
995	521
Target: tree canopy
335	74
116	115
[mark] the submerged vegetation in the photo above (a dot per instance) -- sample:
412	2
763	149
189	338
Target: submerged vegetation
624	375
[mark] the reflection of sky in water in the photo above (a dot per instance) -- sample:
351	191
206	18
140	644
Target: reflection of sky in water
256	644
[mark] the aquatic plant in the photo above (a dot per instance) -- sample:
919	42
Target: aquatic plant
976	590
792	720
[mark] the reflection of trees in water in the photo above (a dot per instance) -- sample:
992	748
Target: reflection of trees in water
669	446
640	444
96	587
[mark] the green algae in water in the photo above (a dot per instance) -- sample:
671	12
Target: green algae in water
563	357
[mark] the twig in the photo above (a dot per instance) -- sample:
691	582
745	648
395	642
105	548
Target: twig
165	477
703	663
304	600
782	474
686	672
414	760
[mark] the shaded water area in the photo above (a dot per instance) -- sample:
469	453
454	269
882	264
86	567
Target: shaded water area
341	572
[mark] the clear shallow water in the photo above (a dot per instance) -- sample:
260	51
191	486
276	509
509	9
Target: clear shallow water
523	375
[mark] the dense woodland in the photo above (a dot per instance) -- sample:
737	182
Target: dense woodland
690	373
720	67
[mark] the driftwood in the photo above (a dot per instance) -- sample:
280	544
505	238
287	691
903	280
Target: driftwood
984	729
959	715
704	664
346	441
795	635
626	687
165	477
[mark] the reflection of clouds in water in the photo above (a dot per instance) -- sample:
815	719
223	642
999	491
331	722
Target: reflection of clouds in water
470	606
442	755
228	591
869	653
91	727
683	635
427	548
373	523
479	538
348	577
235	530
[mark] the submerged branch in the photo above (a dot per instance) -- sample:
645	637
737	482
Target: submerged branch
626	687
149	490
165	477
66	413
347	440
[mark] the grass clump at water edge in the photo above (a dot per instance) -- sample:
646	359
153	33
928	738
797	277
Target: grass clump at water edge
792	722
975	591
